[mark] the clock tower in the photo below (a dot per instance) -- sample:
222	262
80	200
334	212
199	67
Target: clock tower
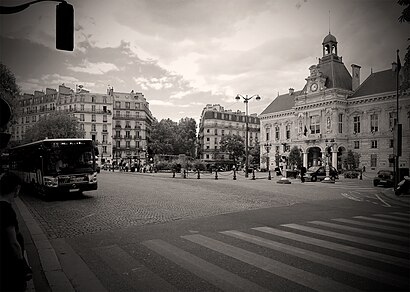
330	72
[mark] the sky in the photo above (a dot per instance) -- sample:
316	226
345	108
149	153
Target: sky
184	54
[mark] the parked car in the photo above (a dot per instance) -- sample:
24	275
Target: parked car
315	173
384	177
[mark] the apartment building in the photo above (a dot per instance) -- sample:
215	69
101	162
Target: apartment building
215	123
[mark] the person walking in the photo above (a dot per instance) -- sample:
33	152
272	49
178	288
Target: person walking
302	174
14	270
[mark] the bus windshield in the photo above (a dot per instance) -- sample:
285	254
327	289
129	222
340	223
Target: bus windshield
69	158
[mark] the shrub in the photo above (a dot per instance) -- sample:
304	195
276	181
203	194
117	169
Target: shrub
351	174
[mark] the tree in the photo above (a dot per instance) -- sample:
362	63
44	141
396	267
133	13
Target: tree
234	145
350	160
8	89
186	139
295	157
163	137
55	125
254	153
405	15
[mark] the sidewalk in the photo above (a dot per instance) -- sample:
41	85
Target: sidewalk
56	266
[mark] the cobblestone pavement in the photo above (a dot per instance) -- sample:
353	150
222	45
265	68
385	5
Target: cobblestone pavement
129	199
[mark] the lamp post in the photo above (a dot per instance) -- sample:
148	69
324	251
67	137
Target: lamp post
246	100
267	147
327	179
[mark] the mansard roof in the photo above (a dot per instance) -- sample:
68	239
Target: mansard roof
378	82
281	103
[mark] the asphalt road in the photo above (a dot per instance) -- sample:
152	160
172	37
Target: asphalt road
152	232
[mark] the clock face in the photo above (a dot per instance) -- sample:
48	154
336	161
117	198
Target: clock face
313	87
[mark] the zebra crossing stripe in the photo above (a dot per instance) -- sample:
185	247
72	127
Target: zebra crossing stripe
378	226
136	274
290	273
361	240
363	231
322	259
337	247
215	275
396	218
382	221
401	214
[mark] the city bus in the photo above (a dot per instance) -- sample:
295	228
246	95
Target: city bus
56	166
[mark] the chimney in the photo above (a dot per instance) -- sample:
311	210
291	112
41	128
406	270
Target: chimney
291	91
355	76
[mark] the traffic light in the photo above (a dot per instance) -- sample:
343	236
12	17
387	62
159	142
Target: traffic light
65	27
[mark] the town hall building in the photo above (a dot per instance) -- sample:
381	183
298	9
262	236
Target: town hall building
335	111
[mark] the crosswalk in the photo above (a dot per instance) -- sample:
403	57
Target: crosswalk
359	253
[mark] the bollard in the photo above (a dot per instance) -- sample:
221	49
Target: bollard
234	174
253	174
199	174
216	174
269	176
173	174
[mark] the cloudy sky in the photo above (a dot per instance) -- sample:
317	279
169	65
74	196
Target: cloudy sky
184	54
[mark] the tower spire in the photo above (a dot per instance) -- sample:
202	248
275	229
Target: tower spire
329	21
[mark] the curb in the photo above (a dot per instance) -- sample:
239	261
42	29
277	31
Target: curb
55	275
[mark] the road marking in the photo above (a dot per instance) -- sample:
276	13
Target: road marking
135	273
351	197
362	231
290	273
401	214
396	218
382	221
361	240
322	259
389	228
215	275
337	247
381	200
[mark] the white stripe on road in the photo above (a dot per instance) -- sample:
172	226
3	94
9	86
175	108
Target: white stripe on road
361	240
381	221
135	273
213	274
351	197
337	247
378	226
322	259
290	273
401	214
362	231
395	218
383	201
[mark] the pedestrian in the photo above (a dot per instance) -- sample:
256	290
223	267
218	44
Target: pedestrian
302	174
14	270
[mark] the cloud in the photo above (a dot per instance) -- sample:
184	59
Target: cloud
160	102
94	68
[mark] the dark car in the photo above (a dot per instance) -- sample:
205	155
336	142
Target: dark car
384	177
315	173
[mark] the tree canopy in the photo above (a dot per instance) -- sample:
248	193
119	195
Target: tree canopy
169	137
234	145
295	157
54	125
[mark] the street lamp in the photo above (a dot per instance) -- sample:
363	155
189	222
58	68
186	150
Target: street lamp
328	148
246	99
267	147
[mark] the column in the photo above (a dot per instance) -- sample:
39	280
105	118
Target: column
305	159
334	159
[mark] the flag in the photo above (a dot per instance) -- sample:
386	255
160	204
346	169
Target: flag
305	132
398	62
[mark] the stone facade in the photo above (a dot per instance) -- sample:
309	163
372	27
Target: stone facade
337	113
